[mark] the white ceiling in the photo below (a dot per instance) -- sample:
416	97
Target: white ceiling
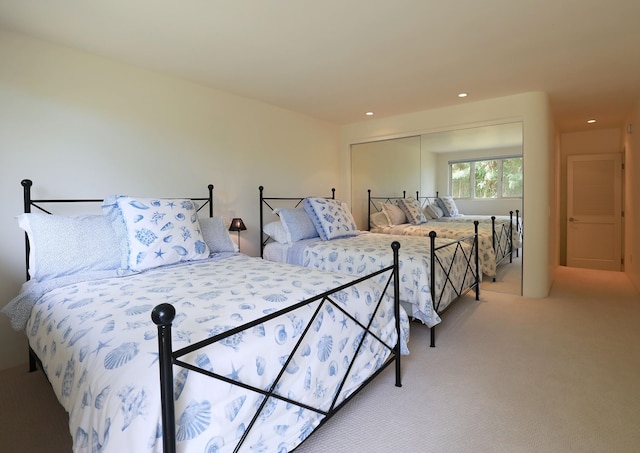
492	137
337	59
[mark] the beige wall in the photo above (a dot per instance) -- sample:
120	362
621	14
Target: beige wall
80	125
384	167
538	150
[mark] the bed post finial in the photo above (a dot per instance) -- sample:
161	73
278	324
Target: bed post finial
333	193
26	191
432	242
395	246
210	187
162	316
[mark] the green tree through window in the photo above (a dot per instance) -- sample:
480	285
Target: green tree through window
490	178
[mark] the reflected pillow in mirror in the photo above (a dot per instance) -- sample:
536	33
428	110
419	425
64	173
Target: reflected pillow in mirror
433	212
395	215
448	206
379	220
412	210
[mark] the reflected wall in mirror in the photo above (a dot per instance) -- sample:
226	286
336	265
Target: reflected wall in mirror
440	148
389	167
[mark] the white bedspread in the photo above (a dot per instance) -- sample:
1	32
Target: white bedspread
499	219
365	253
99	349
486	253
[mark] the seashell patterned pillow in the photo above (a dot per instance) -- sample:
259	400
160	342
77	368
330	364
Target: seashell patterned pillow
448	206
413	211
156	231
331	218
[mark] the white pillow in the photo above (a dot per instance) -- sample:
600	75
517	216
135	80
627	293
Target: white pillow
216	235
331	218
276	231
155	232
61	246
433	212
379	220
412	210
297	224
395	215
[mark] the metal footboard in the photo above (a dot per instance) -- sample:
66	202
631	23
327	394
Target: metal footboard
472	269
163	316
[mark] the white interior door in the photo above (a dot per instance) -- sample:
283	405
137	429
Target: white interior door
594	211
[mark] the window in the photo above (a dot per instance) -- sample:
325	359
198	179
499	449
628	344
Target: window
489	178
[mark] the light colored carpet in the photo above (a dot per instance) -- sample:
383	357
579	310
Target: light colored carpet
508	278
509	374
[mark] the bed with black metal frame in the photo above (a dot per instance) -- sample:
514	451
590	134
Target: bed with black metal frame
435	273
495	232
316	311
30	204
514	218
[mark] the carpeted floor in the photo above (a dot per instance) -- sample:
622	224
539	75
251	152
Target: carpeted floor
509	374
508	278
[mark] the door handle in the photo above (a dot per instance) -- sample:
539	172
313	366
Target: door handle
571	219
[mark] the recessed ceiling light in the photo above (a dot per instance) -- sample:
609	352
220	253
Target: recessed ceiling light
369	113
591	121
462	95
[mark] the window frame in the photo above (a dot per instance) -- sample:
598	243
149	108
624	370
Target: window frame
472	176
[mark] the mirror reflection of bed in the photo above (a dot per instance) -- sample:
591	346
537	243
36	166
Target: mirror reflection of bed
421	163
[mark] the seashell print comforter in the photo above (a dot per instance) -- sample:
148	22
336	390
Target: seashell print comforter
368	252
454	230
500	220
99	350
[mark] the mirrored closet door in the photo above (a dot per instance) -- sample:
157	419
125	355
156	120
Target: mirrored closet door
421	163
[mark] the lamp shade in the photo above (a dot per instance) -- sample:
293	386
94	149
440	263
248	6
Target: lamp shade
237	225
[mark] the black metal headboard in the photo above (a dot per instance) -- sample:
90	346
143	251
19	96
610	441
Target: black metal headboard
427	199
375	202
30	203
292	202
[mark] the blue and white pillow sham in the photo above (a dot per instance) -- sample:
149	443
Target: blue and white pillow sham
275	230
216	235
155	232
331	218
297	224
412	210
448	206
66	245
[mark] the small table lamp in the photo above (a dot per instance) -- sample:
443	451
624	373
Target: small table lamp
237	225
